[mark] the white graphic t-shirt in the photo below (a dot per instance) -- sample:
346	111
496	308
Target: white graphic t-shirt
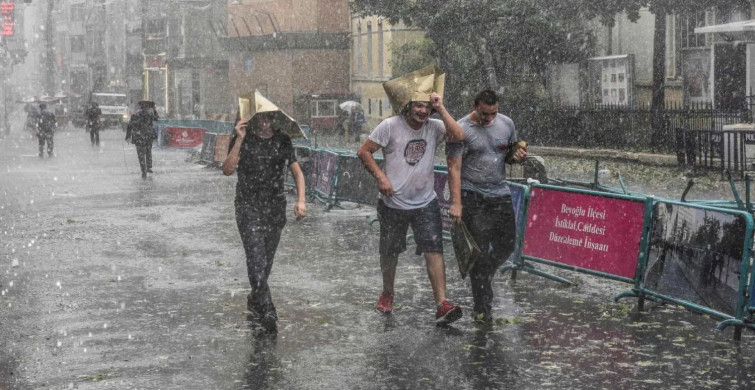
409	160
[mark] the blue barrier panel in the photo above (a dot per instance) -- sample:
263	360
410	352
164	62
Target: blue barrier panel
322	175
355	183
443	194
208	148
519	194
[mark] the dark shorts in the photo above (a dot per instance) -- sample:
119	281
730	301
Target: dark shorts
425	222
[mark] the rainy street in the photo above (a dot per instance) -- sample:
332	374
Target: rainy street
111	281
116	277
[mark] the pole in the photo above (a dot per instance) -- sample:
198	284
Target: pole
50	53
5	105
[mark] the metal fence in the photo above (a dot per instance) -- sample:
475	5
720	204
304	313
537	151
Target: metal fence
617	127
727	150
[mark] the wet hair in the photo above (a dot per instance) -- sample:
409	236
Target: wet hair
487	96
406	109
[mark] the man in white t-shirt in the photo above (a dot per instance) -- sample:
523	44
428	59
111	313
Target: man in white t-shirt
408	142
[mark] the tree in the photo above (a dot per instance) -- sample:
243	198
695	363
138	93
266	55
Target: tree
492	43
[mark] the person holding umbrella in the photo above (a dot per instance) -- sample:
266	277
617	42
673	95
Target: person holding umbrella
355	118
259	151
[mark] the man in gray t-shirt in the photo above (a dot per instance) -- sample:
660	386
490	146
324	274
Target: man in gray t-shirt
476	180
407	194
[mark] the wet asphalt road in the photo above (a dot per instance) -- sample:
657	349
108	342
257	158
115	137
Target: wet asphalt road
109	281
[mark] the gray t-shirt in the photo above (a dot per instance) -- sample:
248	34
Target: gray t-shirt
409	160
483	153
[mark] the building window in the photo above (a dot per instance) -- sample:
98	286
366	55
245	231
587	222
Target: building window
78	44
358	51
671	47
380	49
323	108
78	13
156	29
380	108
685	30
369	107
369	49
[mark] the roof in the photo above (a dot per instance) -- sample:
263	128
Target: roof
743	26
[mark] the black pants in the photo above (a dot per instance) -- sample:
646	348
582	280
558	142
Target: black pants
94	135
45	137
491	222
144	153
260	235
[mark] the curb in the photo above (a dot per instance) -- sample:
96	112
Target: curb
606	154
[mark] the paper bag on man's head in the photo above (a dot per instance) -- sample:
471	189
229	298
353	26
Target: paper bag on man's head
253	103
415	86
245	106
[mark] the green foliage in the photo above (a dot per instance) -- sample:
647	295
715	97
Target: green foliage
501	44
411	56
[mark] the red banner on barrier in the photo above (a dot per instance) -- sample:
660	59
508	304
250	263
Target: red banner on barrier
184	137
593	232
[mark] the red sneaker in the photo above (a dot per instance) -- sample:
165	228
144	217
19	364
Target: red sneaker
447	313
385	303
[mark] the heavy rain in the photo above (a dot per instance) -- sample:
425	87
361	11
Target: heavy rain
201	194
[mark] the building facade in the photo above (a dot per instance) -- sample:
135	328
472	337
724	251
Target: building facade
184	67
373	41
296	53
699	69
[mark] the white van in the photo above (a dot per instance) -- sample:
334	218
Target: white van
114	107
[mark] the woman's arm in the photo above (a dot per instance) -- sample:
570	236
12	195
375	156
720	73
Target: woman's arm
300	208
232	160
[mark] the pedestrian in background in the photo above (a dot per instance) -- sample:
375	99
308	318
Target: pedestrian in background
408	141
260	153
45	130
141	132
32	118
480	197
92	115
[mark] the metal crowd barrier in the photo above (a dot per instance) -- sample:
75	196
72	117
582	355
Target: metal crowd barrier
690	254
188	132
725	150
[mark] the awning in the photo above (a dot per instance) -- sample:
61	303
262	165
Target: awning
743	26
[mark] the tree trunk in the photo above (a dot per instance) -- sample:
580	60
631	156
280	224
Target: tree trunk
657	104
489	65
